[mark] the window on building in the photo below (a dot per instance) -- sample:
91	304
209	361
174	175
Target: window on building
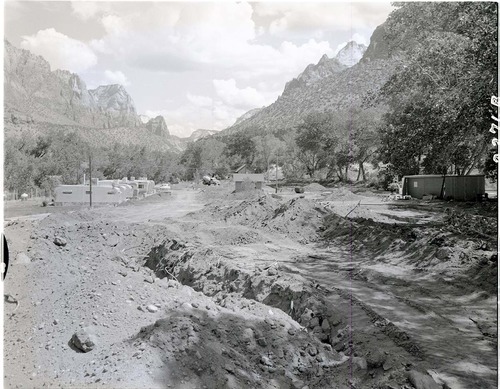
70	192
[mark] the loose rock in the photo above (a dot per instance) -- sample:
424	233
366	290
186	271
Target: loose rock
83	340
58	241
266	361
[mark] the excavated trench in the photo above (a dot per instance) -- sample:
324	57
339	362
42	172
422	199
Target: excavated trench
304	301
323	310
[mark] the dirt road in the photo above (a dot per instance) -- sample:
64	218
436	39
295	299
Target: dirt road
371	318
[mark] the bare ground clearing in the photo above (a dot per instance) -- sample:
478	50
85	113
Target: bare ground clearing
253	290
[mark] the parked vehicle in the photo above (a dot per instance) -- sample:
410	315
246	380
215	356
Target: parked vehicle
207	180
163	188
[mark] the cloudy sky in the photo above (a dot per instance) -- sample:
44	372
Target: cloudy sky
199	64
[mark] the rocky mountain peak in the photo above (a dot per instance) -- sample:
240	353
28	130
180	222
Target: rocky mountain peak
158	126
117	103
315	73
324	59
351	53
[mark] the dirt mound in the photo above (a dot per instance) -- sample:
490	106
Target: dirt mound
297	218
224	349
314	187
342	193
477	226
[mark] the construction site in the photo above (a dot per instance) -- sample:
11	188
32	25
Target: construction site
208	287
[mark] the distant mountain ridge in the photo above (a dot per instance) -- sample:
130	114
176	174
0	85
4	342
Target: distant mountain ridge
247	115
328	86
42	99
34	92
199	134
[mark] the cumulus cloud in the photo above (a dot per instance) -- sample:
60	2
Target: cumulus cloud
116	77
200	101
113	24
245	98
278	25
202	36
86	10
299	15
61	51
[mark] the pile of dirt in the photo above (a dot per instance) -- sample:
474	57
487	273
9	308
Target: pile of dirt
314	187
466	224
227	349
197	344
342	194
298	218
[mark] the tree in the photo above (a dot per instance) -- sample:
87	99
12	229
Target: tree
267	147
438	100
315	140
191	158
292	168
363	139
240	149
205	156
212	159
19	165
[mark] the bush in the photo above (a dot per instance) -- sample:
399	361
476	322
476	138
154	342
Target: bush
386	177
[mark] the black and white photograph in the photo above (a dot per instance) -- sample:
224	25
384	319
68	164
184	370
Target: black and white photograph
240	195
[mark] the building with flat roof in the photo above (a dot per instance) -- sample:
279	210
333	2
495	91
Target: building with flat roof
459	188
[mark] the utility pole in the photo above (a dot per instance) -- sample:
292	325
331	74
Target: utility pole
277	155
90	178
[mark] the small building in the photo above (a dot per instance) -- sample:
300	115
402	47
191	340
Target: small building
248	181
145	187
104	191
245	179
459	188
123	186
80	194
